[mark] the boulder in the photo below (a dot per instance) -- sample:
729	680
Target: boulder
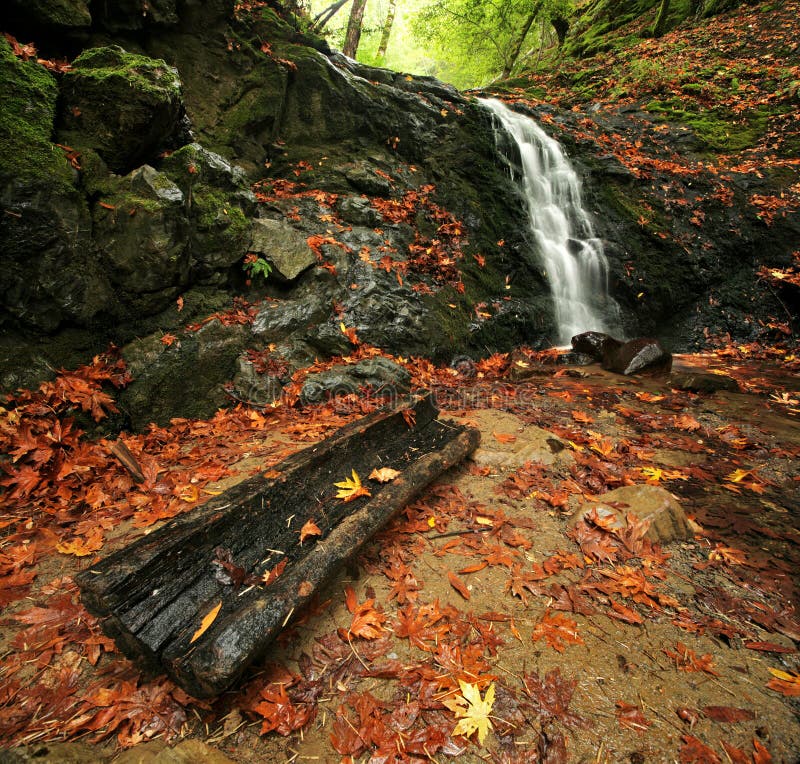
596	345
384	377
646	502
358	211
50	272
637	356
697	382
125	106
255	388
219	206
143	232
283	246
64	14
184	379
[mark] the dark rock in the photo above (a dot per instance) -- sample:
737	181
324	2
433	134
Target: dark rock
279	319
363	178
66	14
382	376
597	345
125	106
645	502
358	211
283	246
636	356
252	387
184	379
47	257
703	383
143	232
219	205
576	359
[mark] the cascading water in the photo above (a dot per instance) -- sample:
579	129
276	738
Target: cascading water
571	254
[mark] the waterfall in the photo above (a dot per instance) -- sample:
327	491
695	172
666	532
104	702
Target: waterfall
573	258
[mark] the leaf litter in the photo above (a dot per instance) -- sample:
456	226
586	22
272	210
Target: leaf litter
598	642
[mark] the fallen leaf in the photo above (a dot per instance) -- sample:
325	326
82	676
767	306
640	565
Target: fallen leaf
471	710
785	683
728	714
631	717
305	588
504	437
557	630
458	584
309	529
351	489
384	474
206	622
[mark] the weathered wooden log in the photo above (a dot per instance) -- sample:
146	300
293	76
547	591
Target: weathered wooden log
152	595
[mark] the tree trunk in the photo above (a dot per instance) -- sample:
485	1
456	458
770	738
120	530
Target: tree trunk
661	19
353	36
387	28
520	39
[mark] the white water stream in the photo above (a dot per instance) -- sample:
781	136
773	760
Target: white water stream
571	254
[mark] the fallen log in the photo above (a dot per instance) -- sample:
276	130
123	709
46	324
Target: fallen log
152	596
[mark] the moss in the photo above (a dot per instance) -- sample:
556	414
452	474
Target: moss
714	127
222	224
28	95
107	66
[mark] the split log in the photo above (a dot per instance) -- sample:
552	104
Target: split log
152	596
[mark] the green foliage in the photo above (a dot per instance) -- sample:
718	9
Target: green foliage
256	266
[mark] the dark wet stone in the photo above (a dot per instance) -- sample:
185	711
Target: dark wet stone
637	356
127	107
382	376
703	383
595	344
283	246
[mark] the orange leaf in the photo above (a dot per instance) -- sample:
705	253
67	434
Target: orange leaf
309	529
458	584
504	437
207	621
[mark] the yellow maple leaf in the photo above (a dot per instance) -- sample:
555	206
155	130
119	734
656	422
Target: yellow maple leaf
351	489
653	474
471	711
738	475
206	622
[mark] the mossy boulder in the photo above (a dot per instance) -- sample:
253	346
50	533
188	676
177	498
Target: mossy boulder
50	274
127	107
143	233
69	14
219	204
184	379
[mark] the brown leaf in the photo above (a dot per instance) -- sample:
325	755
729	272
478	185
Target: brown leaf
504	437
694	751
557	630
458	584
631	717
728	714
384	474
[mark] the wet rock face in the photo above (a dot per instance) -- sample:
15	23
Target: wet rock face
184	379
380	376
284	247
594	344
127	107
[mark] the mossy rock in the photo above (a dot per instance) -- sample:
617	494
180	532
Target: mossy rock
125	106
68	14
219	204
28	93
50	271
143	232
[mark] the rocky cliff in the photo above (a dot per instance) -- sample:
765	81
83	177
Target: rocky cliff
190	147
